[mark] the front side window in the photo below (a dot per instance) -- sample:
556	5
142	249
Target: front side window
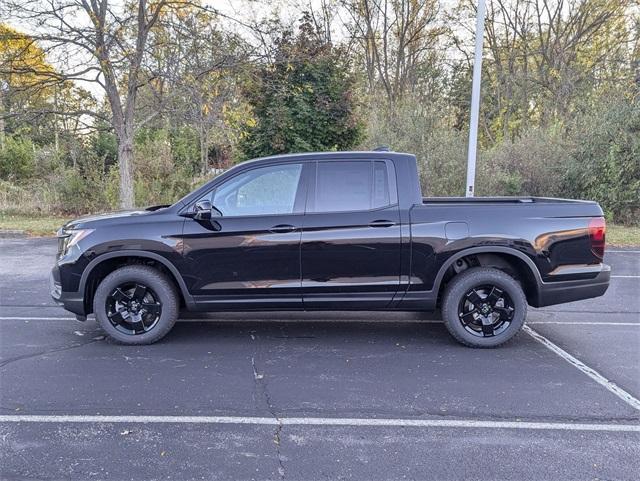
263	191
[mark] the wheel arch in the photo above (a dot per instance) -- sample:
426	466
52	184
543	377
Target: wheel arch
102	265
509	260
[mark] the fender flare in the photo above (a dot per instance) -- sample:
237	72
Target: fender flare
188	299
488	250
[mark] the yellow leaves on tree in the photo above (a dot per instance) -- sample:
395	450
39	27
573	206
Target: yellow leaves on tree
22	62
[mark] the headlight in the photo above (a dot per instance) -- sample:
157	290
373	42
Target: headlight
69	238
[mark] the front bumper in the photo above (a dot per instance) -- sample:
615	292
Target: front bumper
558	292
71	301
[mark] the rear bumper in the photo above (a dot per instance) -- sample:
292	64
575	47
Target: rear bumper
559	292
71	301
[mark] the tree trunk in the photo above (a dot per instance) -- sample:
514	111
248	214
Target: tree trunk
1	121
56	136
204	151
125	164
1	131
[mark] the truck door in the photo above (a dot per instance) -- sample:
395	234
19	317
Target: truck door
350	251
249	256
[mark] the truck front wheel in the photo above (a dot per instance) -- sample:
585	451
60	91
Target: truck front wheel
136	305
483	307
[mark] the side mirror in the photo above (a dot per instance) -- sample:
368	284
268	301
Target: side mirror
203	210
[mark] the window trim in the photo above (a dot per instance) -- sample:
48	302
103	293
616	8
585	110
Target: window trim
392	180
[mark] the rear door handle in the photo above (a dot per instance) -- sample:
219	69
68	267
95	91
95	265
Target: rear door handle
282	228
382	223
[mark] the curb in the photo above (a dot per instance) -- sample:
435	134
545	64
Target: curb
12	234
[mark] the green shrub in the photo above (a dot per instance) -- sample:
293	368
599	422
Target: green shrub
185	148
534	164
157	179
105	145
17	159
79	192
47	161
112	188
21	199
413	127
605	164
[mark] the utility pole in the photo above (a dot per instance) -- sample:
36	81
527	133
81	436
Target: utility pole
475	101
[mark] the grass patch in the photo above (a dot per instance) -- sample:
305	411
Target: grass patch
620	235
46	225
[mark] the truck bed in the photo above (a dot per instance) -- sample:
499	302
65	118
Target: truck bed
502	200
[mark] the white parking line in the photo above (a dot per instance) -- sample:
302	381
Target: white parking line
587	323
315	421
622	252
417	321
249	319
625	277
592	373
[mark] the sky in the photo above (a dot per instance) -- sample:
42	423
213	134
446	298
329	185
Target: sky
245	11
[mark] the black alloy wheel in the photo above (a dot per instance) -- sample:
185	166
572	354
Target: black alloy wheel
133	308
483	307
136	304
486	310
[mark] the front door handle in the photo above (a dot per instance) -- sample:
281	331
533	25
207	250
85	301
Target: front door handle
282	228
382	223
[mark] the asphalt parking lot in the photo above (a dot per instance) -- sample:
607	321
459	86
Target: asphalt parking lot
310	396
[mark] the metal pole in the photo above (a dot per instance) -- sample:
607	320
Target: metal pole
475	101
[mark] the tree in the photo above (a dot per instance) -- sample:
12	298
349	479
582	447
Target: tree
545	58
304	99
21	62
103	42
200	64
398	40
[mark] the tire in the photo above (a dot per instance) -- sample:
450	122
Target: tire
497	294
136	305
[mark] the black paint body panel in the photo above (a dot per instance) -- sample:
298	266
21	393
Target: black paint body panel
394	257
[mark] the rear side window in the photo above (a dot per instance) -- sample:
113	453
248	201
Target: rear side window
380	185
351	186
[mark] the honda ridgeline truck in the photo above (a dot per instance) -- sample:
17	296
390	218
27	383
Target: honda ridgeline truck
331	231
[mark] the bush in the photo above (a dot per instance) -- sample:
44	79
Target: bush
40	180
105	146
20	199
185	148
422	130
17	159
157	178
82	189
605	164
534	164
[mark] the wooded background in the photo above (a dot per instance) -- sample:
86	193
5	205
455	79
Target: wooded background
107	104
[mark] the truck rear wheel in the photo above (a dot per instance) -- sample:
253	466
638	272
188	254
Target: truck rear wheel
136	305
483	307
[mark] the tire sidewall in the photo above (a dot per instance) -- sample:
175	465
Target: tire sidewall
475	277
151	278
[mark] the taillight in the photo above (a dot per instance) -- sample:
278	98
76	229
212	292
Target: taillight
597	230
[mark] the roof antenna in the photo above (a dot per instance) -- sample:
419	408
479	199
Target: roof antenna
382	148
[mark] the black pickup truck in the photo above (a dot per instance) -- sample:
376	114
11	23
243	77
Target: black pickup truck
331	231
